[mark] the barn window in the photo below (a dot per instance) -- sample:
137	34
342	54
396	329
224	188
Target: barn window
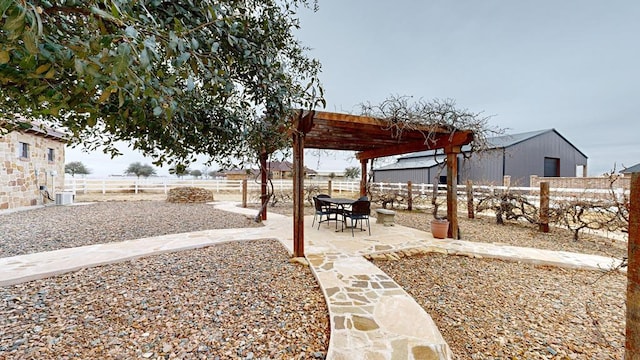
551	167
23	150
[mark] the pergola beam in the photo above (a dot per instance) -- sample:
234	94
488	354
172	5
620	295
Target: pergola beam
456	139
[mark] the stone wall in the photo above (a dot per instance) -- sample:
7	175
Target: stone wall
581	182
21	178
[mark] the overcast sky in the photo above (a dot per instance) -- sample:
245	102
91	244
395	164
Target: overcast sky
569	65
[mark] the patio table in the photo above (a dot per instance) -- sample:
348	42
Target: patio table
341	204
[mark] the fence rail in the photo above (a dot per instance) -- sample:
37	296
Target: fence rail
163	185
133	185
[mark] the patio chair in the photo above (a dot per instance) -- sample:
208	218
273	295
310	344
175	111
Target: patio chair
359	211
324	209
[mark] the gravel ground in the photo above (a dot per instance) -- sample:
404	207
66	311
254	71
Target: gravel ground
486	309
240	300
57	227
485	229
491	309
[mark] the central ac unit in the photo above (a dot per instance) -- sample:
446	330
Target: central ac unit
64	198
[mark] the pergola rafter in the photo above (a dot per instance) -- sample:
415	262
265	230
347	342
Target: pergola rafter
370	138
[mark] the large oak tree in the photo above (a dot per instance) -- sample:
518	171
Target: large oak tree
171	78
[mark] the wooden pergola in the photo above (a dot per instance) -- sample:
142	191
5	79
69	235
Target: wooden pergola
370	138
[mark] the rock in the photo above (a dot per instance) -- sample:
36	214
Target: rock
364	323
189	194
299	260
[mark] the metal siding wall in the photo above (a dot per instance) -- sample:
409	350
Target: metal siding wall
527	158
417	176
482	169
521	161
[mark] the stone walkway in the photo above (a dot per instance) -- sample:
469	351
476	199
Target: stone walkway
371	316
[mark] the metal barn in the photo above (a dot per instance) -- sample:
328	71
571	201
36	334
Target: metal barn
544	153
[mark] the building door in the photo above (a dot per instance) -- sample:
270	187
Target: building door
551	167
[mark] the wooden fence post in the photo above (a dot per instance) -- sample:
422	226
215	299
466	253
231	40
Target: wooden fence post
632	343
544	207
470	207
409	196
244	193
506	181
329	187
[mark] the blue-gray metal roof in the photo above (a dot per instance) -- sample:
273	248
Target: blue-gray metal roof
498	142
412	164
631	169
504	141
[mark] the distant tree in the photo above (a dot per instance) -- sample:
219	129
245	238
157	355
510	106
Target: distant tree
76	167
332	175
138	170
214	173
352	172
195	173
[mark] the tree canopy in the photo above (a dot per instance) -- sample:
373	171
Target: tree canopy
76	167
139	169
172	78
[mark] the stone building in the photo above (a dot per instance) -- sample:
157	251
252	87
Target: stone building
31	167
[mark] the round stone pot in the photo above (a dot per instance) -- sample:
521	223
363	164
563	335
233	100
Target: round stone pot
439	228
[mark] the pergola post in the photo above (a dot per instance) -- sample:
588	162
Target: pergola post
298	200
452	190
363	177
632	339
302	124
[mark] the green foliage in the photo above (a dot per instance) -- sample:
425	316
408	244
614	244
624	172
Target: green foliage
179	170
332	175
352	172
76	167
138	170
174	79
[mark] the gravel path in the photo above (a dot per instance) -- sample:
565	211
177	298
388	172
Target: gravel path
240	300
57	227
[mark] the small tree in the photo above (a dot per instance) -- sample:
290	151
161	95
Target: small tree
332	175
195	173
138	170
76	167
352	172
